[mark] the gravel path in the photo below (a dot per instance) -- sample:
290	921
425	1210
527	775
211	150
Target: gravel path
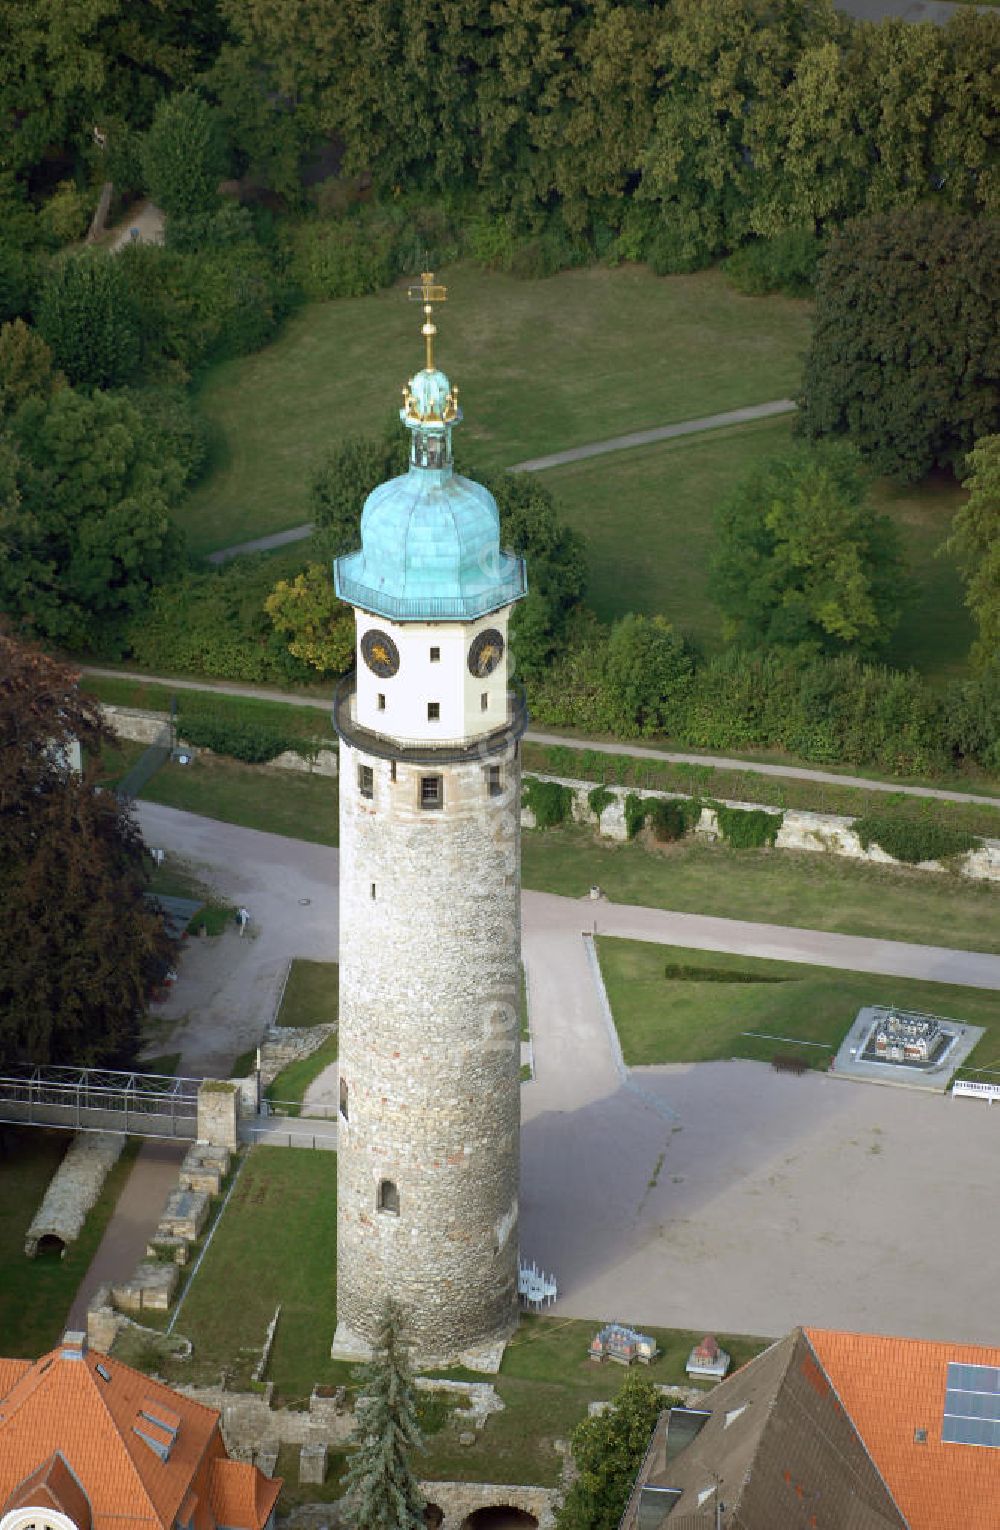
718	1196
601	746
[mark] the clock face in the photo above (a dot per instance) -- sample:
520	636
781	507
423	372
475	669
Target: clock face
380	653
485	653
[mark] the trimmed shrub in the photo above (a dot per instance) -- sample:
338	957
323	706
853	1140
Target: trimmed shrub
681	972
748	828
253	743
912	839
550	802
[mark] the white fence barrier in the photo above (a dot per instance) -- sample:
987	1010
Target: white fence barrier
978	1091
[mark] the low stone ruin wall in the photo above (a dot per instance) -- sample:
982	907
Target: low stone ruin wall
799	830
457	1500
147	728
285	1044
75	1186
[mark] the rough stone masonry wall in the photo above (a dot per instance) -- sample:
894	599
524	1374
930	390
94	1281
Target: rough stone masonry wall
74	1188
799	830
429	1053
147	728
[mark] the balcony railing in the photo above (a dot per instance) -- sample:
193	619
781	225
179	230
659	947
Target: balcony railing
385	748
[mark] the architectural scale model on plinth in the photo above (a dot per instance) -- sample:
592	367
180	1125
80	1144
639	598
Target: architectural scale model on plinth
427	1175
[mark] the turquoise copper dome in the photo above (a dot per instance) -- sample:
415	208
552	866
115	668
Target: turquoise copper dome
430	539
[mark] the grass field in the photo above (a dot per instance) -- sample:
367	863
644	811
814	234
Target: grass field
608	351
36	1294
286	802
288	1089
311	994
284	717
276	1242
817	892
647	516
665	1013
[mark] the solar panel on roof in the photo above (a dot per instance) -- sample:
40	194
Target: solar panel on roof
972	1405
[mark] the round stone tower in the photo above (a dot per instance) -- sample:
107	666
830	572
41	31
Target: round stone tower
429	725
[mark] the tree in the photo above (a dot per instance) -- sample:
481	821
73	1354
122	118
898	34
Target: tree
81	946
608	1452
975	542
381	1489
905	353
85	315
85	528
183	161
320	628
26	368
343	481
803	560
646	673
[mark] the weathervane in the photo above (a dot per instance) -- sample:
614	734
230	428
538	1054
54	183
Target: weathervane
428	292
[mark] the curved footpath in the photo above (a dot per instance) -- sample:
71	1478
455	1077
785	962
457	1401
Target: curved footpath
743	416
533	736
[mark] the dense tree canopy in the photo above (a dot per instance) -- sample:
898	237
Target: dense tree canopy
905	354
85	528
802	559
86	316
183	160
975	541
81	947
318	626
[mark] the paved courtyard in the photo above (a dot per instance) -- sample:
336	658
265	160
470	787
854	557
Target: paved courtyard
718	1196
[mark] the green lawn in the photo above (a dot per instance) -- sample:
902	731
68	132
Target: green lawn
288	1089
647	516
666	1013
305	722
276	1242
817	892
623	769
287	802
36	1294
311	994
541	365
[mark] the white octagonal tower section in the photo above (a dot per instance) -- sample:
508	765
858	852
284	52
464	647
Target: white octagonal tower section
450	682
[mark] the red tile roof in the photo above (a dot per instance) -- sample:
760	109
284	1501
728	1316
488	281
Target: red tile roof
894	1387
242	1497
113	1425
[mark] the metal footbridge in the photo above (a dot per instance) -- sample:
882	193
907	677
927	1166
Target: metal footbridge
101	1100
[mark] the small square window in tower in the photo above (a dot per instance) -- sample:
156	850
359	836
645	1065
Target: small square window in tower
435	656
484	701
431	792
433	711
494	780
380	701
366	781
388	1198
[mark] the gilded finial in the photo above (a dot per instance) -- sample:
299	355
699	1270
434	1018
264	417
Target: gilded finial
428	292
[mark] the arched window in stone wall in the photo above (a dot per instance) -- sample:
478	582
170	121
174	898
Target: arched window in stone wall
388	1197
343	1099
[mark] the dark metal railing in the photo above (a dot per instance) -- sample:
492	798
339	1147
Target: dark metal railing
386	748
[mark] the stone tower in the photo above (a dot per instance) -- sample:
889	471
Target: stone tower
429	727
